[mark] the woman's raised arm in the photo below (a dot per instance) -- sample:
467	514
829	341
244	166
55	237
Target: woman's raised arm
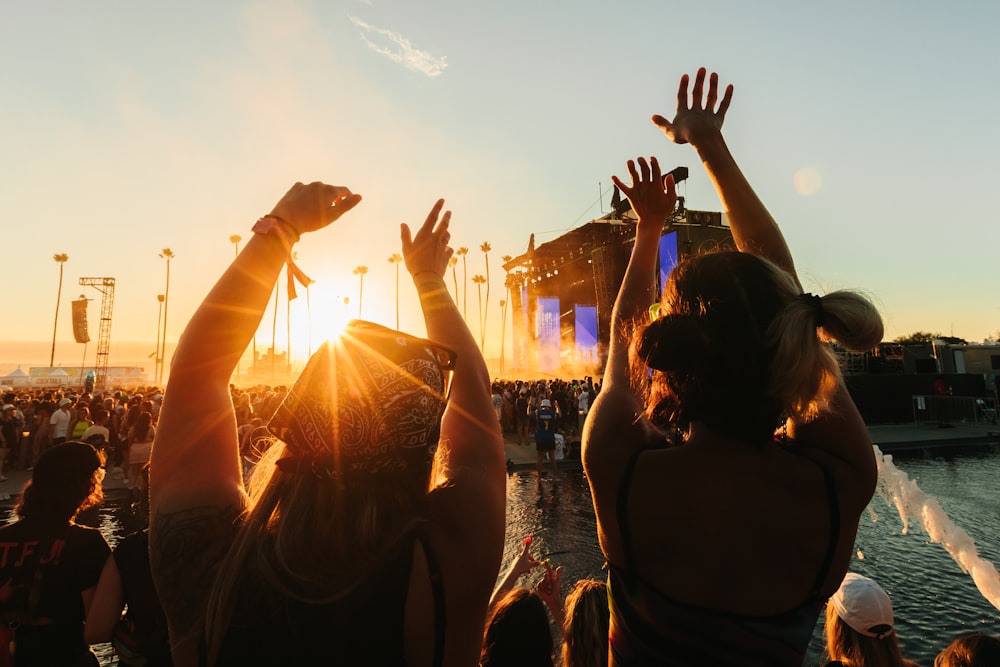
616	409
196	487
699	122
470	434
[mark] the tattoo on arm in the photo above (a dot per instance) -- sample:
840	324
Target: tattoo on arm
185	549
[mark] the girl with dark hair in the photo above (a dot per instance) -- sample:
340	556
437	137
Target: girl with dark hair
517	632
723	547
49	565
372	529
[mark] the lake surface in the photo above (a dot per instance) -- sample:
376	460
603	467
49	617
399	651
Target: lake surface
933	600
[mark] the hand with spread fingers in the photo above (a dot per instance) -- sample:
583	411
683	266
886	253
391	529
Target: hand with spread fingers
428	251
697	117
308	207
653	197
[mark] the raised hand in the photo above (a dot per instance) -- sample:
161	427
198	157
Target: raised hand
314	206
698	117
428	251
653	198
549	589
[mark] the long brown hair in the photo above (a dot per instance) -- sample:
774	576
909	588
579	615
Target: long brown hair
854	649
736	345
312	538
585	629
517	632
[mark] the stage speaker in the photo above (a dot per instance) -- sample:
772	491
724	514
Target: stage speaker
80	321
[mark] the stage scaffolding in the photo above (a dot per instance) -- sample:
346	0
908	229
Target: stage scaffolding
106	286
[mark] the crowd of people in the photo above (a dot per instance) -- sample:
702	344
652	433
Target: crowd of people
358	515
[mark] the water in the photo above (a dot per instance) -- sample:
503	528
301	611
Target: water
934	601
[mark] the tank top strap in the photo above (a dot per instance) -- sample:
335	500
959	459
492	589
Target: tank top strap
437	591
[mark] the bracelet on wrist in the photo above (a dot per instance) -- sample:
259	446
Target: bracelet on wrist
273	225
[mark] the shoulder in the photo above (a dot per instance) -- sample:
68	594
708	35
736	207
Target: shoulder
91	537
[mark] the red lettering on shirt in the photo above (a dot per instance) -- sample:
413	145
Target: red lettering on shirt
54	553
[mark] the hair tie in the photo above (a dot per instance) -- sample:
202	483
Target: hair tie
816	303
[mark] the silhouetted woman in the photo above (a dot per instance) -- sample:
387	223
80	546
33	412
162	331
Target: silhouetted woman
49	565
723	548
373	528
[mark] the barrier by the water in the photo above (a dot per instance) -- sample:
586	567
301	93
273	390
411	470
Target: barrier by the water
901	492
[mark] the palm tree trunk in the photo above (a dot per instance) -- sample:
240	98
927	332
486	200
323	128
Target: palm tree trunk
486	312
361	294
274	330
55	323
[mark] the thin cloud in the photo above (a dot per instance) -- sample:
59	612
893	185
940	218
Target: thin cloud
398	49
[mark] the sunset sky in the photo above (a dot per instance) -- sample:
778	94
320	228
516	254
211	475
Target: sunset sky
869	129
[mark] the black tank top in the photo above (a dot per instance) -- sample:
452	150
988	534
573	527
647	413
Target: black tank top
366	627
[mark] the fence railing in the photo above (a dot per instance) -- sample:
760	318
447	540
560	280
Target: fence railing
954	409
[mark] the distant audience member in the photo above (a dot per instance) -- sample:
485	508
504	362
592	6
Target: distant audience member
972	650
545	435
860	631
59	422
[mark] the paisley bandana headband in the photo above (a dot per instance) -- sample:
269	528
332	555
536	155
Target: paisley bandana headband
366	403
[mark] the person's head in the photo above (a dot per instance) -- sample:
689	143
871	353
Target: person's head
734	342
585	628
350	468
517	632
972	650
860	628
66	480
65	404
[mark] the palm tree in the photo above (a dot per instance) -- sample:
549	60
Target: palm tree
396	258
462	252
360	271
61	258
159	324
235	240
168	255
503	306
503	330
453	262
486	247
479	280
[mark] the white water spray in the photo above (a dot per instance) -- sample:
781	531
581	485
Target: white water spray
898	490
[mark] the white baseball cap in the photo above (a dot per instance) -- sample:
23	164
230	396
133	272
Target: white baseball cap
863	605
546	403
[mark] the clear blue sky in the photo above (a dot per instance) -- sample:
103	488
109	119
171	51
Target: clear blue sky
130	127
